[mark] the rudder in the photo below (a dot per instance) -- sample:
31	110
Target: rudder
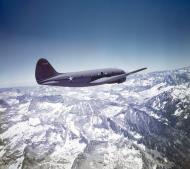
44	70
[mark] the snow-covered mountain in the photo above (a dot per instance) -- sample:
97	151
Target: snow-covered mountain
143	123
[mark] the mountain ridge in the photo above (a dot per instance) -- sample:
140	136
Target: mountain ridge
142	123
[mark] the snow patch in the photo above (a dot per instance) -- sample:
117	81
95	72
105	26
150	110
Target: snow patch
34	121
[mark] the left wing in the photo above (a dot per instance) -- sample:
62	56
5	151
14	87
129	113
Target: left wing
115	78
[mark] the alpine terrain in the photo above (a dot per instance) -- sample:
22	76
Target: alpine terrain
143	123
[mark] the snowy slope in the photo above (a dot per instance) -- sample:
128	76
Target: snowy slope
143	123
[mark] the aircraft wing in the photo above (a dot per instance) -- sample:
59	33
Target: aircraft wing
115	78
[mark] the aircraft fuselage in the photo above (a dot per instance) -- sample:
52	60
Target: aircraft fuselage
84	78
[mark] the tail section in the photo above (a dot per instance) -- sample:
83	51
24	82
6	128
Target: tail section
44	70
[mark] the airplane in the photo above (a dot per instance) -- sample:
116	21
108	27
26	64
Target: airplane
46	75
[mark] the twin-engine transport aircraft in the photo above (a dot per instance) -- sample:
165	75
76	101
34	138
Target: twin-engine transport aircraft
46	75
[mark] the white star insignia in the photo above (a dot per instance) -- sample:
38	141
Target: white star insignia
70	78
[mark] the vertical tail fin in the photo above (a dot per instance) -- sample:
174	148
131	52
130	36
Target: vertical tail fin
44	70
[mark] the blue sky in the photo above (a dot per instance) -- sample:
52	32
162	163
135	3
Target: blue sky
88	34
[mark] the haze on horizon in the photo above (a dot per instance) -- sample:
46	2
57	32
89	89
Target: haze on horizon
83	34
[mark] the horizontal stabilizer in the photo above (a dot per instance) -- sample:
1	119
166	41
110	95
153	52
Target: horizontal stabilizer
49	83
